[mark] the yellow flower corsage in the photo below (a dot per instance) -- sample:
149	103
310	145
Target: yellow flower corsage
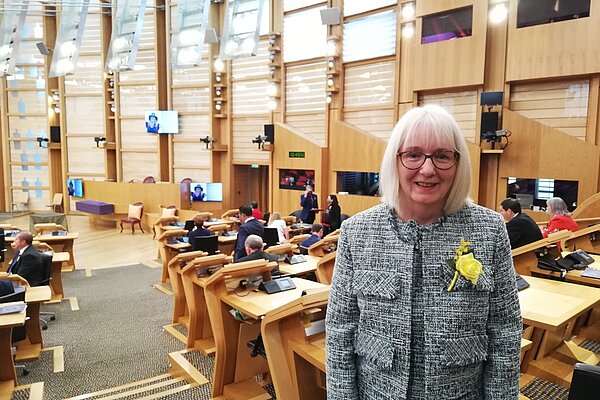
464	263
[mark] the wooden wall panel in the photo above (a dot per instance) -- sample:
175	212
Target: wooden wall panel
84	156
252	67
244	130
135	100
83	118
561	105
311	125
25	101
305	88
134	136
354	150
122	194
191	156
549	154
462	105
139	165
467	54
369	85
290	139
434	6
352	204
191	100
377	122
552	50
249	98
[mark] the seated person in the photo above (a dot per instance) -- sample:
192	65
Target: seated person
199	229
521	228
561	219
6	287
316	235
28	260
254	248
256	213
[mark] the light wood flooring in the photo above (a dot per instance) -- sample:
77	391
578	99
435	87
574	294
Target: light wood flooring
102	246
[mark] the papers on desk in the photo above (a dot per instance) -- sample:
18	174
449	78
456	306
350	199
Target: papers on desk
59	233
12	308
591	273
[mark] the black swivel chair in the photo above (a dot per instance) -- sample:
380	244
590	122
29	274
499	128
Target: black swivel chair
585	382
209	244
271	236
18	333
344	217
297	214
46	269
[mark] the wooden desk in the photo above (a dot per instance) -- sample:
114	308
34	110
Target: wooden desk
587	239
294	337
525	258
8	377
552	308
200	334
301	268
573	276
324	246
234	368
169	250
30	348
58	259
299	230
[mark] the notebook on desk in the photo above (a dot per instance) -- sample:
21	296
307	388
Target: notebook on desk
591	273
12	309
59	233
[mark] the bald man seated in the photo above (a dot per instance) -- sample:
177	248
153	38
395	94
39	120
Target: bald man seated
254	249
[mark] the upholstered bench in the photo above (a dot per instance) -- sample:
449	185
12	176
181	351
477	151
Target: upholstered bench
94	207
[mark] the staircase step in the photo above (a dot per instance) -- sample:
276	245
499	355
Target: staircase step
123	388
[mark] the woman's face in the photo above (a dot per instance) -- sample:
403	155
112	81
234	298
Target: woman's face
329	200
549	209
426	186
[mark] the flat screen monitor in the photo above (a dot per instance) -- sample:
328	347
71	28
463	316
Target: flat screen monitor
296	179
161	122
206	191
534	192
491	98
537	12
360	183
75	187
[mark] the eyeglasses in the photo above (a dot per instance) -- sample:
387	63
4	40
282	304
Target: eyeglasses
443	159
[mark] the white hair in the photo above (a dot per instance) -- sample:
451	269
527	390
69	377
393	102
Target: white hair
435	124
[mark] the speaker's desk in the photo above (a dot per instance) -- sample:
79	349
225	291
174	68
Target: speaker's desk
31	346
8	377
234	367
551	308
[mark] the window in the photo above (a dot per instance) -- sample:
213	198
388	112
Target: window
370	37
544	188
538	12
352	7
360	183
304	36
454	24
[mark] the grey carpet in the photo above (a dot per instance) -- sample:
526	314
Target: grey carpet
540	389
116	338
591	345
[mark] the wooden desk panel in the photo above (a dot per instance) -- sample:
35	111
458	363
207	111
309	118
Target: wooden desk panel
301	268
30	348
8	377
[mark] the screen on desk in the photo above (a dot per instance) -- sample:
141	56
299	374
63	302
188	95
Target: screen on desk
535	192
75	187
206	191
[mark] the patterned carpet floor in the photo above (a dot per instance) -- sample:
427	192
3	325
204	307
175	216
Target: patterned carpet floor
115	338
540	389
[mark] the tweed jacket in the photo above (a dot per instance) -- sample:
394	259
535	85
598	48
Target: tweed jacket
472	333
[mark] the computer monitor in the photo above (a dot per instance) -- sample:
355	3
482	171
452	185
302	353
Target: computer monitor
271	236
526	201
209	244
189	225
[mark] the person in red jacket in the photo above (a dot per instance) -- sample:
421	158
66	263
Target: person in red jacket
561	219
256	213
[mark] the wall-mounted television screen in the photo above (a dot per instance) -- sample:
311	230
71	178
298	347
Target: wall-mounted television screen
537	12
533	193
75	187
296	179
447	25
161	122
206	191
360	183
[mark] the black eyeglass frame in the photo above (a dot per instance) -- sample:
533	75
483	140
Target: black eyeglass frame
430	156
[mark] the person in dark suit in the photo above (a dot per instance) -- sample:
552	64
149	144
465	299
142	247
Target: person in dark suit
309	202
198	193
28	260
254	248
6	287
316	235
521	228
199	231
334	212
249	226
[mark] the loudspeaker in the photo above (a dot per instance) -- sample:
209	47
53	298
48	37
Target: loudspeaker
270	133
489	122
55	134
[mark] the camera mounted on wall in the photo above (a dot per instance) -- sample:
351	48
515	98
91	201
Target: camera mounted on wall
260	140
41	140
99	139
209	141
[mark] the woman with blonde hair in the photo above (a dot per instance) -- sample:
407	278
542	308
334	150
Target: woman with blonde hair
275	221
423	301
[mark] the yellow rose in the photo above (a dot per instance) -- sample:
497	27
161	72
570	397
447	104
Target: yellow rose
469	267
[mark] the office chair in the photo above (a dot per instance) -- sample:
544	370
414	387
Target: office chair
208	244
271	236
18	332
296	214
46	269
585	382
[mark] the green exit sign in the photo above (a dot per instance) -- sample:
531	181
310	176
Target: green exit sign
297	154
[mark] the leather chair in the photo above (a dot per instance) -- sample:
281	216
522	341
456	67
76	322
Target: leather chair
136	211
585	382
19	332
149	179
46	271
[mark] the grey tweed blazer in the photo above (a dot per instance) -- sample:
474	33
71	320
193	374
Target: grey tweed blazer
472	334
